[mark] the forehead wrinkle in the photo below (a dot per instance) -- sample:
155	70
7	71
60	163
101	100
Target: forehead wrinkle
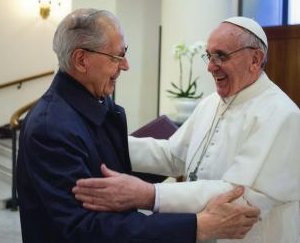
226	37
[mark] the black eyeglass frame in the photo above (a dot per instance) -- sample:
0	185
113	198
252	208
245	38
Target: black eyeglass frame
219	58
114	57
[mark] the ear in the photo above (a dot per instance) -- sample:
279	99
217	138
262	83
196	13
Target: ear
79	60
257	60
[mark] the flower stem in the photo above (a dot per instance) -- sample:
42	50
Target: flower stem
191	71
180	73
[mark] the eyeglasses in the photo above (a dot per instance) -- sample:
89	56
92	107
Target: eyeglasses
220	57
114	58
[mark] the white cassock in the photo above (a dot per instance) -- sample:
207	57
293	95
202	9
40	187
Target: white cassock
255	143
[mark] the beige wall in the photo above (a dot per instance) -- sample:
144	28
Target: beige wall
109	5
26	49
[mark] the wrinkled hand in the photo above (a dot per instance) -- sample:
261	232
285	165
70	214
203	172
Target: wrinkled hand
224	220
114	192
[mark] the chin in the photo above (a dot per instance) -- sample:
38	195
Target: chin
221	92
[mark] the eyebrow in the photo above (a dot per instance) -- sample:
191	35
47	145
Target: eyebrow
217	51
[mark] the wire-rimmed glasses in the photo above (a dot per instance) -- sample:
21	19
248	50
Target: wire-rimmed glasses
114	58
220	57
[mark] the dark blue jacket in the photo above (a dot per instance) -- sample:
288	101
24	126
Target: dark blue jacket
66	136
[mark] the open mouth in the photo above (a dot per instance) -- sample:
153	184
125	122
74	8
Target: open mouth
219	79
219	76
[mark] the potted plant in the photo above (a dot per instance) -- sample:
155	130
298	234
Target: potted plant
186	94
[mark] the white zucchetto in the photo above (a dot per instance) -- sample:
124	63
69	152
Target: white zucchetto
250	25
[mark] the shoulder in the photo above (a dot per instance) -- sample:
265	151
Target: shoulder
274	102
272	108
52	118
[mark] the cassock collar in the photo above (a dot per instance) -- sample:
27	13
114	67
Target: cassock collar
81	100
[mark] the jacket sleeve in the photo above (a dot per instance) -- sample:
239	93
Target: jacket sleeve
195	195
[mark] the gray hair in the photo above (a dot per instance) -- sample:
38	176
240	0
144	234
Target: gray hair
247	38
83	28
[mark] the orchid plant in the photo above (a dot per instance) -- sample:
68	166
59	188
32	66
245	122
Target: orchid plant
181	90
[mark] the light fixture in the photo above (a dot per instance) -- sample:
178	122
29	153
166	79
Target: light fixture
45	8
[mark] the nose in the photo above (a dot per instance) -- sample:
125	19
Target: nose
212	66
124	65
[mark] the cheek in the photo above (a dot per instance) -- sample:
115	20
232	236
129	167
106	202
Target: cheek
109	87
107	84
238	81
235	74
234	82
230	84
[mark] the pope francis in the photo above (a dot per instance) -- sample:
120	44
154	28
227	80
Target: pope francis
246	133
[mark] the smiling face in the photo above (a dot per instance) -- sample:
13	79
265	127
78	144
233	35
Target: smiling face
102	70
98	72
238	70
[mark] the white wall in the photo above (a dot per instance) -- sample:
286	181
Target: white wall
188	21
109	5
137	89
26	49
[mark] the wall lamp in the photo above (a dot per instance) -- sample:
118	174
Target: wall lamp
45	8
